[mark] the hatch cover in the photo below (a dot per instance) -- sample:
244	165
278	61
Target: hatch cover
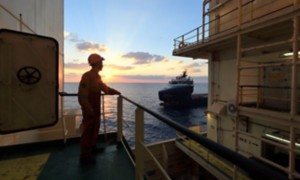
28	81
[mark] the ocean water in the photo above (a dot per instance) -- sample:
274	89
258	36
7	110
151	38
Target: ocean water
145	94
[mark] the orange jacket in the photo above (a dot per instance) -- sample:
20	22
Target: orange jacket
89	92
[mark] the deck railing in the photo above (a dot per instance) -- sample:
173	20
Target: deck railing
230	19
254	169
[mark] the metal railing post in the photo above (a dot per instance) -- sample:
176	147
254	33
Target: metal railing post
175	44
63	122
139	141
119	119
203	21
254	169
294	96
197	34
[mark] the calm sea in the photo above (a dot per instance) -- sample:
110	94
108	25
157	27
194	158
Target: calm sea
145	94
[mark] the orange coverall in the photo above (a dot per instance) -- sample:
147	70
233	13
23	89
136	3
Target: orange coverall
89	98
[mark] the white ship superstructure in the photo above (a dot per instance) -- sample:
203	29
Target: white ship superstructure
254	86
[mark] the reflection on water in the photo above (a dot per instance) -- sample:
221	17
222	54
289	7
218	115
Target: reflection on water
146	95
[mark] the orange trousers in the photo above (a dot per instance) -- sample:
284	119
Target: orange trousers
89	134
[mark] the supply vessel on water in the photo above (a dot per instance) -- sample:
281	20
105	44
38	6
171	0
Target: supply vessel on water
253	99
179	91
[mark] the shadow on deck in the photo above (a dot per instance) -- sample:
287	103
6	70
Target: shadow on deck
55	160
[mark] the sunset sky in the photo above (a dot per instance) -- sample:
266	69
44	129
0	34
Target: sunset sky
135	37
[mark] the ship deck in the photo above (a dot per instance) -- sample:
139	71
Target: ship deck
56	160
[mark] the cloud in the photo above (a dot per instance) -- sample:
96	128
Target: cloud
195	67
171	68
80	66
72	77
86	46
143	57
76	60
71	37
76	65
196	70
195	64
66	34
120	67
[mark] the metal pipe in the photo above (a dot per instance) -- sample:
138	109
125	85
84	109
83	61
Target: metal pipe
266	65
293	96
166	176
128	152
203	21
291	167
120	119
103	116
286	147
286	42
284	169
63	121
294	68
238	98
16	18
21	22
240	17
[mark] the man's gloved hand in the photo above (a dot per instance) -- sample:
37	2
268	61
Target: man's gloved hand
114	92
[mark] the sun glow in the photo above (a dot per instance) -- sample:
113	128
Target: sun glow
106	75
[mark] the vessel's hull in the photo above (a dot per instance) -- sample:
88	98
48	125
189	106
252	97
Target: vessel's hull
176	94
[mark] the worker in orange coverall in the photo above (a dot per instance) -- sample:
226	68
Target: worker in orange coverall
89	92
